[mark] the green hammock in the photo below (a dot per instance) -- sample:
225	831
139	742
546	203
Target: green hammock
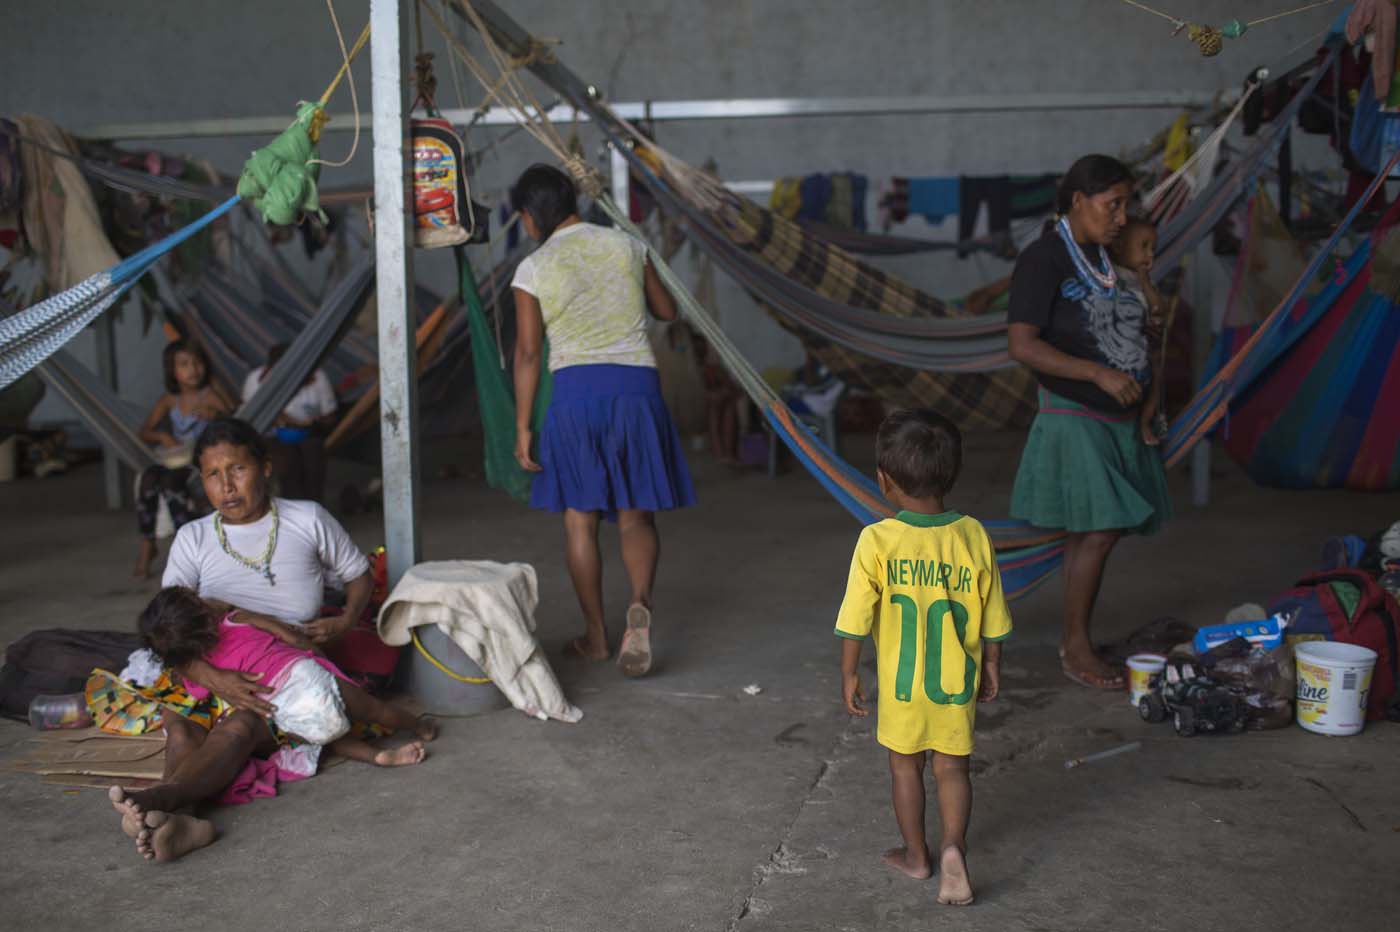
495	398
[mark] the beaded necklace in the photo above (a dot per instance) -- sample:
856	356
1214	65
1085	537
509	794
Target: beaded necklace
1101	282
262	564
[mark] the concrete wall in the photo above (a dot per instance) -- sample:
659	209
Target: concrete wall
85	62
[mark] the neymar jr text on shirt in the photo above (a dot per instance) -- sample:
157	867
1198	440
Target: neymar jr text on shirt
928	573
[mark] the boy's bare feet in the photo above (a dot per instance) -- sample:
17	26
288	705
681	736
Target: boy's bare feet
167	837
405	756
954	886
914	865
426	727
130	812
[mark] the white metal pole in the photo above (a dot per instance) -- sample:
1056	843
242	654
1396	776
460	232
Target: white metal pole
393	262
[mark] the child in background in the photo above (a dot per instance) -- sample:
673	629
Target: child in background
924	585
1132	254
190	402
314	701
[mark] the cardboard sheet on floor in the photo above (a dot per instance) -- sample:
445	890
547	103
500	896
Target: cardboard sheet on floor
96	754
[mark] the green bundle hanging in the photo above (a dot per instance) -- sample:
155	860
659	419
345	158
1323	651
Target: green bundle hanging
280	178
495	398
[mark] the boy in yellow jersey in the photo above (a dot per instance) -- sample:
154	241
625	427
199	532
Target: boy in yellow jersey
924	586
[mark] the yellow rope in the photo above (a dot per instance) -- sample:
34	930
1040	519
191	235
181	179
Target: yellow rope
319	120
345	64
474	680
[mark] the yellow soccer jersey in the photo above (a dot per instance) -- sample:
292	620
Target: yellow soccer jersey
927	589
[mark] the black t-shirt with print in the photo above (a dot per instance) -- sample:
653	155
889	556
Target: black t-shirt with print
1047	292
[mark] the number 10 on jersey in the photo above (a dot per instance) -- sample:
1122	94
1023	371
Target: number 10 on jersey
932	643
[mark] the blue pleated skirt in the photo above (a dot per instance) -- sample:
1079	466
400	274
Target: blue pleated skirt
608	444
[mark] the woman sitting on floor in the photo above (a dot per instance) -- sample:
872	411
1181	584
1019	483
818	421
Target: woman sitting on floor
265	555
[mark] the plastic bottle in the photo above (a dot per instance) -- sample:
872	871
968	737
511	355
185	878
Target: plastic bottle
49	712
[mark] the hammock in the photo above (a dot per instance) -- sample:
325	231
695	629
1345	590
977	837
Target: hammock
117	423
1275	337
302	356
1327	413
1026	555
37	332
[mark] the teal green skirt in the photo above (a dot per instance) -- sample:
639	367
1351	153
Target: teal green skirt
1087	471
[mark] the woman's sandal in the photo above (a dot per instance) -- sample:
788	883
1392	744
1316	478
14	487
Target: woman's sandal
1091	680
634	655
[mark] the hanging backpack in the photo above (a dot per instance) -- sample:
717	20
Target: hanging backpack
1349	606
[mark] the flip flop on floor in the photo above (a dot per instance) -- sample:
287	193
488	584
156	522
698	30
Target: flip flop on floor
1091	680
634	655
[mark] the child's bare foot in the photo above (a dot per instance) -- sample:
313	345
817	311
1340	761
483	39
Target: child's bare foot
130	812
954	886
426	727
913	864
167	837
405	756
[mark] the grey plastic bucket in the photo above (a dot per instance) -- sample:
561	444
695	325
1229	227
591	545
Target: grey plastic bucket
440	693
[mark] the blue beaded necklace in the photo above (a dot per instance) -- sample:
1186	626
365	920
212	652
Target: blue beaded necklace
1102	283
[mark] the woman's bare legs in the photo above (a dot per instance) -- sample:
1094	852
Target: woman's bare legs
586	570
198	770
641	551
1086	555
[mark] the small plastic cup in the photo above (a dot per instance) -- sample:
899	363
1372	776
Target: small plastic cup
1141	669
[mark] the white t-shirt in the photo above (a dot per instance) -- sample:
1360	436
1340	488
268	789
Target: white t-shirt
589	282
312	549
311	402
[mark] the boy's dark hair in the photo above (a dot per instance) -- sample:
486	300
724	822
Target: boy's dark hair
233	431
1090	175
179	626
167	359
547	195
920	451
276	352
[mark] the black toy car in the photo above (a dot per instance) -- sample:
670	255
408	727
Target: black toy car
1195	701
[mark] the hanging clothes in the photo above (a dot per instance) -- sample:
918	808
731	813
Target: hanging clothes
1378	18
934	199
1008	197
786	199
815	194
60	215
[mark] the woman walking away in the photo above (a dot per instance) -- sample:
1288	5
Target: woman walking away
1086	467
608	447
189	403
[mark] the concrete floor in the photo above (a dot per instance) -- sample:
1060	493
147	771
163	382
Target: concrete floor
681	803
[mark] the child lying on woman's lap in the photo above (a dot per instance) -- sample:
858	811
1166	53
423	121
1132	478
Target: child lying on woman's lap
313	700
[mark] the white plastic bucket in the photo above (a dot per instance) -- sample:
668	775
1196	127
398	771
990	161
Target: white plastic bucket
1141	669
1334	681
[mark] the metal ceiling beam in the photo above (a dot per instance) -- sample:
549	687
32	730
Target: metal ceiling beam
680	111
